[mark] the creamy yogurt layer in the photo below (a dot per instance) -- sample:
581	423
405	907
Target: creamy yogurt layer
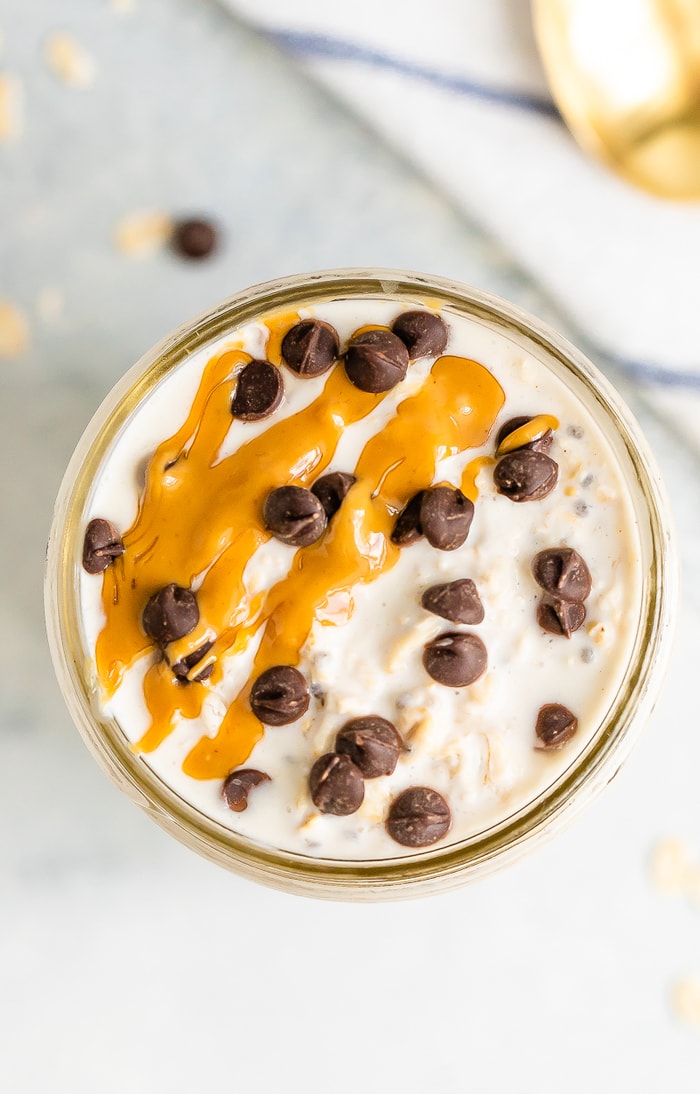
185	486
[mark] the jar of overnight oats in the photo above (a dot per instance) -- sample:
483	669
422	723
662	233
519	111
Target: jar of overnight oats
361	583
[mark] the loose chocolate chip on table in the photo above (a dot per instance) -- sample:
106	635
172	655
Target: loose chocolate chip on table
102	544
331	490
418	817
445	517
195	238
376	361
310	347
171	613
560	616
336	785
562	572
458	601
294	515
184	666
238	785
279	696
259	391
524	475
555	726
372	744
407	529
541	444
423	333
455	659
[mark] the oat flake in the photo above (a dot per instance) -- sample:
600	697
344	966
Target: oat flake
670	865
49	304
14	330
10	107
686	1000
140	234
68	60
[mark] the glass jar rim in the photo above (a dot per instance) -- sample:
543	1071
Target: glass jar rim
433	869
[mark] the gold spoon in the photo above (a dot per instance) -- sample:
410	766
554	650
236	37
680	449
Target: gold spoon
626	76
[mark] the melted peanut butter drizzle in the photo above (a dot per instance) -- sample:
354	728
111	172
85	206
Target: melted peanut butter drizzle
530	431
202	516
200	521
470	474
455	409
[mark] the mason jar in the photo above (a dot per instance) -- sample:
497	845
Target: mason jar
453	861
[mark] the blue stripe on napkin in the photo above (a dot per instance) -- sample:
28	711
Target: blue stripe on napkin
307	44
321	45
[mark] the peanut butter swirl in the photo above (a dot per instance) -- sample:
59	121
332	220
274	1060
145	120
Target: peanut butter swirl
200	521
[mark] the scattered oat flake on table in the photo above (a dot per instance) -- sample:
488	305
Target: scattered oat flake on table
14	330
685	996
11	101
140	234
68	60
692	885
49	304
670	866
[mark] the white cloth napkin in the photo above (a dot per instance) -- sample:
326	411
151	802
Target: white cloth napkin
457	86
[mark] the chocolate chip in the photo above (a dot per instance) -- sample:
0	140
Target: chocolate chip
562	572
455	659
184	666
195	238
294	515
555	726
331	490
171	613
102	544
445	517
442	513
238	785
376	361
407	529
423	333
560	616
457	601
279	696
541	444
310	347
372	744
259	391
525	475
418	817
336	785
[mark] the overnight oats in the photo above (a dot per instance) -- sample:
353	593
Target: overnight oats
355	583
